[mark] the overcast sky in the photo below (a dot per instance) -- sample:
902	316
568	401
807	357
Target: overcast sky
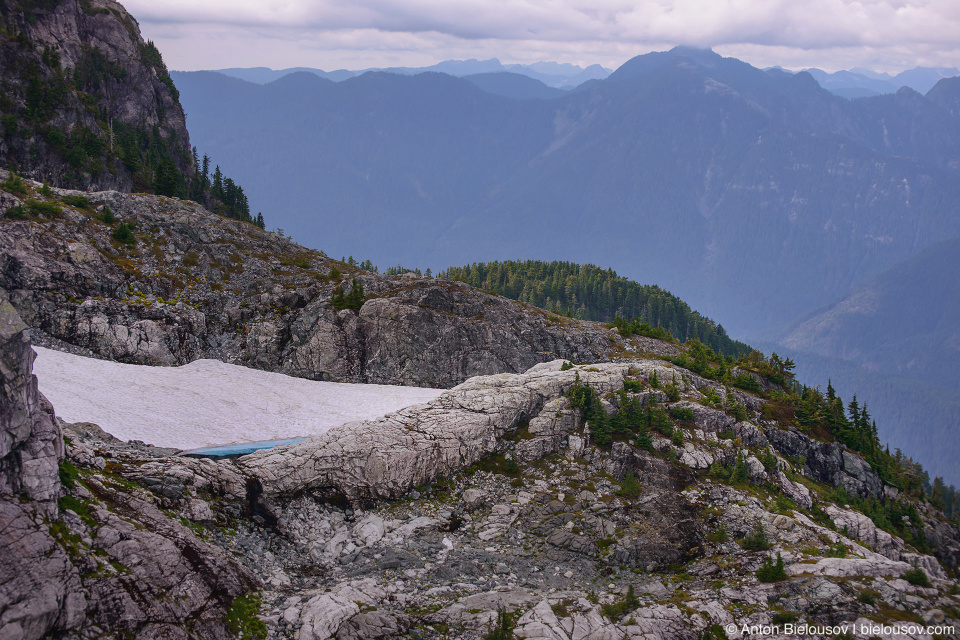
884	35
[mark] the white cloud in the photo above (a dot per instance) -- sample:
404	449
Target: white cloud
383	32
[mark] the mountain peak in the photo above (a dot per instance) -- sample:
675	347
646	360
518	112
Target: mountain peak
654	61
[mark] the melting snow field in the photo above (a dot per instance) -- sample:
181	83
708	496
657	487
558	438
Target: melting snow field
207	402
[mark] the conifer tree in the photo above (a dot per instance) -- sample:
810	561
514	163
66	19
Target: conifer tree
216	189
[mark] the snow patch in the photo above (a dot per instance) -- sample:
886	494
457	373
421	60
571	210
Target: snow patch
207	402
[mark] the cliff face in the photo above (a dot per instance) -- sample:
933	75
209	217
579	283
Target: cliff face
196	285
84	98
30	443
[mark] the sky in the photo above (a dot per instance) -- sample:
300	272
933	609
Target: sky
882	35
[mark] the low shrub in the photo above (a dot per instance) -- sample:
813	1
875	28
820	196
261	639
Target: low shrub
747	382
629	487
784	617
738	411
916	577
68	474
756	540
772	572
14	184
243	620
124	234
617	609
719	536
644	441
654	381
672	391
48	209
16	213
713	632
784	504
80	202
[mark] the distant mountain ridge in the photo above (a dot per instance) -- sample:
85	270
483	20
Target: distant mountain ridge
861	83
851	83
906	320
552	74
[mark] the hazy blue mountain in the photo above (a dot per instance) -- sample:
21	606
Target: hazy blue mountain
858	83
451	67
552	74
756	195
263	75
896	341
852	93
946	95
514	85
851	80
561	76
905	320
923	79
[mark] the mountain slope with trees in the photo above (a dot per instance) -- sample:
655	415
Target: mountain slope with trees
588	292
86	101
756	196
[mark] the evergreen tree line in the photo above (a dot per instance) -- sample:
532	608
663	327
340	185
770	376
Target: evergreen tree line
220	194
852	425
367	265
588	292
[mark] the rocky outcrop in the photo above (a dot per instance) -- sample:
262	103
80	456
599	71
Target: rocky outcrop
200	286
102	558
59	56
30	443
828	462
39	586
860	527
388	457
